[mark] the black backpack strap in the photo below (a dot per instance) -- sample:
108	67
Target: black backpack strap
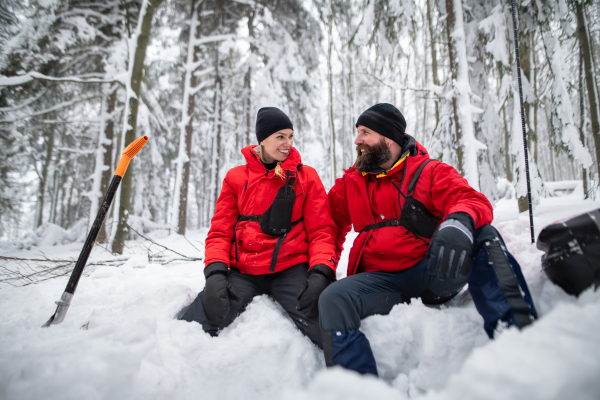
393	222
415	179
276	252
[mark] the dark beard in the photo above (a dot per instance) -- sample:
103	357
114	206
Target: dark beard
375	156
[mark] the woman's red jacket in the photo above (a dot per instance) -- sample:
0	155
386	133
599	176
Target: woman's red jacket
249	190
358	200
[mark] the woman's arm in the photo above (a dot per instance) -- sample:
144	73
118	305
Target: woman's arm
319	226
340	215
220	235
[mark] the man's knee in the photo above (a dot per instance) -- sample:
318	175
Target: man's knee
337	309
334	296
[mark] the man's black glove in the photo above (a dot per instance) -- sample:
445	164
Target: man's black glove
217	292
319	277
451	247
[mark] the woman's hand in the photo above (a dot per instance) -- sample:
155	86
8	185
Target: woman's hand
217	292
319	277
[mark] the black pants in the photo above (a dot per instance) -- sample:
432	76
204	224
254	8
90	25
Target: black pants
282	286
495	280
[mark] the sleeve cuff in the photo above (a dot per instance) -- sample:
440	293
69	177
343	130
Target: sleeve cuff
216	267
324	270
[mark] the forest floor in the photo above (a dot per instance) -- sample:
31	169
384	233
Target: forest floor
119	339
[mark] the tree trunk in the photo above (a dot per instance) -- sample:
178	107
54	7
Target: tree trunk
330	76
526	68
248	83
55	190
590	78
464	130
582	119
216	156
130	127
107	173
39	215
507	163
434	63
182	179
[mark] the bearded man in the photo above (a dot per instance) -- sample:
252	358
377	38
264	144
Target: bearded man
423	233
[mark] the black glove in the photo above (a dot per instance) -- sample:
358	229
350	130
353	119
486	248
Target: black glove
319	277
451	248
217	292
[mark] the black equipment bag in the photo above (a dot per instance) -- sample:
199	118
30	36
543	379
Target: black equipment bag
572	247
277	220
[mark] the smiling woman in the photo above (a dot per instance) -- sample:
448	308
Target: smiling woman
272	234
277	147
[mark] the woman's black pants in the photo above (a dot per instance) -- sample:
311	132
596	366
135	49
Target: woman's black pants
282	286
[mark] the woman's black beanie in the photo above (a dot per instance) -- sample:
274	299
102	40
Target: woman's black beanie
270	120
386	120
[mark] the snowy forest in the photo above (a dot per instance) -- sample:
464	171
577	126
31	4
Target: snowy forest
81	79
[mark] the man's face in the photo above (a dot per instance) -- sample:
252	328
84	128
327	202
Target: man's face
371	150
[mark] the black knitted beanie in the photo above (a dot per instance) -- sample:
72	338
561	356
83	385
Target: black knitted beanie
386	120
270	120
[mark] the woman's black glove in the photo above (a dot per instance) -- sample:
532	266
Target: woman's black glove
217	292
319	277
451	248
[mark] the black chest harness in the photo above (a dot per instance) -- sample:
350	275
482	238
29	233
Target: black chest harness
277	220
414	215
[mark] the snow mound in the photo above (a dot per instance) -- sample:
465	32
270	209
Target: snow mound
119	339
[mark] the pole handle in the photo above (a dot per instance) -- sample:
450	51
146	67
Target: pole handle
129	153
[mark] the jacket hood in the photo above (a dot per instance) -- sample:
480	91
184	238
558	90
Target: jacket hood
291	163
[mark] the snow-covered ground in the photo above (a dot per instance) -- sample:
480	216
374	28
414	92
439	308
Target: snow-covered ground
119	339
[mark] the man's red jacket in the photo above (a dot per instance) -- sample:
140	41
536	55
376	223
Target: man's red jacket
249	190
358	200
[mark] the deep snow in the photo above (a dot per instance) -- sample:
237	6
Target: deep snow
134	349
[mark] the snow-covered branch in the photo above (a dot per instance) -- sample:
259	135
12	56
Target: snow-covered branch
23	79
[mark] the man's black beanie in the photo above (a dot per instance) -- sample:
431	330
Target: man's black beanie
270	120
386	120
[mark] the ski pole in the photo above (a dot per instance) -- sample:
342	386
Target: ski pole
67	296
514	18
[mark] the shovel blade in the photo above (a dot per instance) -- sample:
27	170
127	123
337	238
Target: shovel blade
61	310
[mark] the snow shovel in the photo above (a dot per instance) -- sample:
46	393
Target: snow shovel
67	296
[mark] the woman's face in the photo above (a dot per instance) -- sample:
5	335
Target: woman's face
277	146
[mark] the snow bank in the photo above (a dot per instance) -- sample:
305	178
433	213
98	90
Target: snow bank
119	339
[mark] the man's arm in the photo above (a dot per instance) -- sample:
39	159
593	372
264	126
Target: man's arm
341	216
451	193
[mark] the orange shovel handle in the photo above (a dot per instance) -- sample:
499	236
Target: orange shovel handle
129	153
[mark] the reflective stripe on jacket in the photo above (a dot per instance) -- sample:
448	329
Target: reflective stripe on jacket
358	200
249	190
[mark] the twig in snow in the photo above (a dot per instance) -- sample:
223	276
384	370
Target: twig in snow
164	247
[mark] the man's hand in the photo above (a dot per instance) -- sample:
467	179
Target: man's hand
319	277
451	248
217	292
